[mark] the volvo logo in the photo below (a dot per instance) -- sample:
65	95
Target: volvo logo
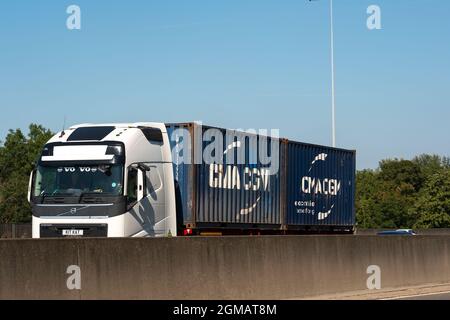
73	210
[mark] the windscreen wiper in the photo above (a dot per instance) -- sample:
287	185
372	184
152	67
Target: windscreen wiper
43	195
84	194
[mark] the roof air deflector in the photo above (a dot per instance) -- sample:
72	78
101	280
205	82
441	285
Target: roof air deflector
90	133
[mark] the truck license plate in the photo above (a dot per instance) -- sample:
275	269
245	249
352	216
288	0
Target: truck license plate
72	232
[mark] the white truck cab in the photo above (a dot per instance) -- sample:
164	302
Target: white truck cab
105	180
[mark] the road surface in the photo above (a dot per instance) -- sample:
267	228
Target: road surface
427	296
425	292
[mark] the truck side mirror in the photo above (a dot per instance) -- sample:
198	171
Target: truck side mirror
132	186
143	167
136	185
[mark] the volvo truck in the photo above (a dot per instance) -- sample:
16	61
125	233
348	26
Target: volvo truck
165	180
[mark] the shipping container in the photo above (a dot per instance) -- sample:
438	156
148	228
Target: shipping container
320	187
233	180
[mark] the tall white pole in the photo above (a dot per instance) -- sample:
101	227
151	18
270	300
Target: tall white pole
333	116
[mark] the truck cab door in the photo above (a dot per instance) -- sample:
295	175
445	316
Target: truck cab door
146	200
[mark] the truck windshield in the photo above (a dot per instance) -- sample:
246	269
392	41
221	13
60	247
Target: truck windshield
74	181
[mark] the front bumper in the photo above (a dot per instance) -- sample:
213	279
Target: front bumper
50	227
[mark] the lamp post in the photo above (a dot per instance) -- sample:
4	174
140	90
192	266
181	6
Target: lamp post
333	106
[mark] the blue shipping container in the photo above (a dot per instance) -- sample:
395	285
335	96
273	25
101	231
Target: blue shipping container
239	188
311	186
320	185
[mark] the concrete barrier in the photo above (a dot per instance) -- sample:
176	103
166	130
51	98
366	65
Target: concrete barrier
266	267
15	230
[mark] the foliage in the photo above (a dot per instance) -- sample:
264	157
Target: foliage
432	207
17	156
405	194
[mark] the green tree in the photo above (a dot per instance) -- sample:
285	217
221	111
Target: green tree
432	208
384	196
367	185
394	195
431	164
17	157
405	176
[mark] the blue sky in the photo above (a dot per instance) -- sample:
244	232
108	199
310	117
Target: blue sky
235	64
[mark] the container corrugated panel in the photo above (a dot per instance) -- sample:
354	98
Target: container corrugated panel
320	186
245	191
238	187
183	171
